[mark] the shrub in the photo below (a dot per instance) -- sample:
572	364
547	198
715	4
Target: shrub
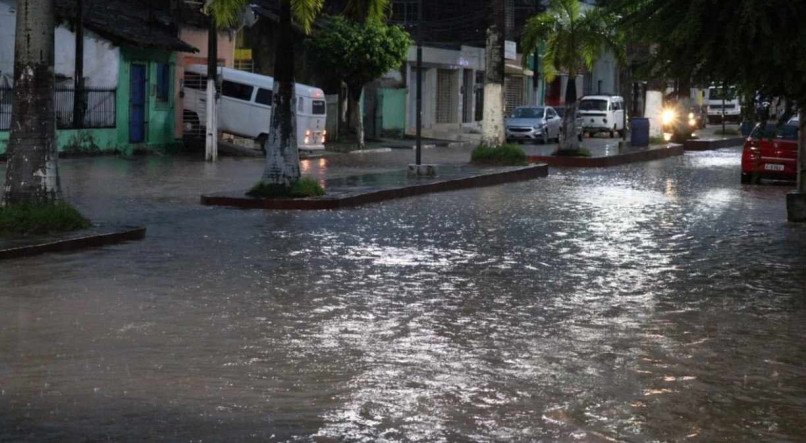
304	187
43	218
580	152
504	155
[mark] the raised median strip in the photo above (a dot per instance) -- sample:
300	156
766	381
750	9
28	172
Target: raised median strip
707	144
633	156
89	238
371	188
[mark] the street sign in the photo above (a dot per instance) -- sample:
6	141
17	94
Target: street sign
510	50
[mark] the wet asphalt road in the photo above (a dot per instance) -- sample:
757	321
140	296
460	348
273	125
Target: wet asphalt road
654	301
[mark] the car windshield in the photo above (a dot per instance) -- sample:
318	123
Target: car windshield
528	113
716	94
593	105
784	132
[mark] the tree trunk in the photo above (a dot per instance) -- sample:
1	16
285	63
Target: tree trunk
570	140
802	152
32	175
492	124
344	112
282	156
79	97
356	116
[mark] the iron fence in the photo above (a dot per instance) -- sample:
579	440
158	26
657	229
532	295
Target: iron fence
100	111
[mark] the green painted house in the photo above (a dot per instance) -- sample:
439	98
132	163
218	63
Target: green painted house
129	70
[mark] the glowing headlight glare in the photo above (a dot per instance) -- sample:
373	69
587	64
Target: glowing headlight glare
690	115
668	116
692	122
307	140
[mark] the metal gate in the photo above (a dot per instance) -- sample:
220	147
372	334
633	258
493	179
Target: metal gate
445	89
513	95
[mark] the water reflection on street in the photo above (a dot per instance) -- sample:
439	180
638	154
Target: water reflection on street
652	301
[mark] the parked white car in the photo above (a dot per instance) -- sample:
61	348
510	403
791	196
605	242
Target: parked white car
602	113
534	123
246	104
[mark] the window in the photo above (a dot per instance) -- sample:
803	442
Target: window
527	113
593	105
264	96
550	113
300	104
163	82
318	107
236	90
195	81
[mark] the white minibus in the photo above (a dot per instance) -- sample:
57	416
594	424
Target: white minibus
602	113
245	106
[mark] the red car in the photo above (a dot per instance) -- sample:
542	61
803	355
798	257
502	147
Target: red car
771	152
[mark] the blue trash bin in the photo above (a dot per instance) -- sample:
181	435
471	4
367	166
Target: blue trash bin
639	131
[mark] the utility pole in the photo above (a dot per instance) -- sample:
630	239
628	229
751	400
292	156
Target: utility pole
419	101
211	134
79	103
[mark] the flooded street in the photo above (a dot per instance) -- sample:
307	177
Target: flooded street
654	301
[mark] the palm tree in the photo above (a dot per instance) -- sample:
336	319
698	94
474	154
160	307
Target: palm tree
282	156
32	175
573	39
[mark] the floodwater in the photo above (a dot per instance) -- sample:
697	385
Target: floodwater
654	301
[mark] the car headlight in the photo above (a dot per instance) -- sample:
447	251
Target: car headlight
690	115
668	116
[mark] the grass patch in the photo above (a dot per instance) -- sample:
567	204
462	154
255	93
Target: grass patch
38	219
504	155
657	140
727	131
304	187
580	152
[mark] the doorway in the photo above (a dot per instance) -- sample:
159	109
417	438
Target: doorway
137	103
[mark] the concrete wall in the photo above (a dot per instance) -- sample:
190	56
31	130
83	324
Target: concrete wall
100	56
198	39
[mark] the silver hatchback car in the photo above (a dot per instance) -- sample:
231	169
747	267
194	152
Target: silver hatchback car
538	123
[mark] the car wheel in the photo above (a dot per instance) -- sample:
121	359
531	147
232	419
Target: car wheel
747	178
261	142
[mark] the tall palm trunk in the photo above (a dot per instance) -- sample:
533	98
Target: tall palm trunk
570	140
282	156
32	175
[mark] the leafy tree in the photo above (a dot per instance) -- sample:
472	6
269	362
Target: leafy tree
754	44
32	176
358	53
282	156
573	38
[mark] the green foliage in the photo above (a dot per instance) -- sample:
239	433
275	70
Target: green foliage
657	140
359	52
367	10
42	218
504	155
573	37
304	187
754	44
227	12
580	152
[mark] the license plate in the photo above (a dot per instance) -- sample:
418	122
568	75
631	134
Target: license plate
773	167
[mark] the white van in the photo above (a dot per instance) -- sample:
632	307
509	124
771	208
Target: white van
602	113
721	104
245	106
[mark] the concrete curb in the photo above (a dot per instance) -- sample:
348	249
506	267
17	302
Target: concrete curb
74	244
350	200
707	144
613	160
